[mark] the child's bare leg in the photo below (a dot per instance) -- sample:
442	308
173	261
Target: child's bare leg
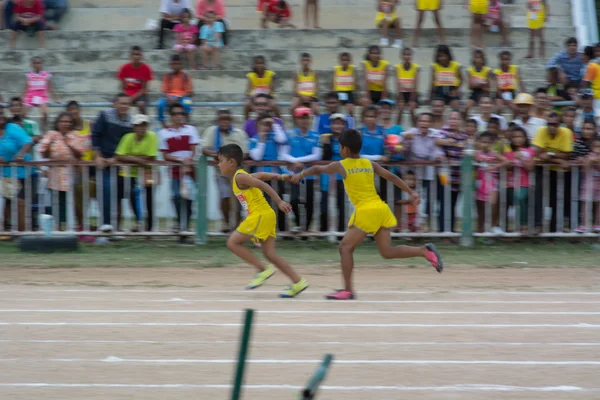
480	216
503	32
384	29
192	58
351	240
531	44
398	29
542	43
268	248
401	106
495	209
413	115
384	245
420	16
316	14
235	243
44	111
216	57
438	21
307	4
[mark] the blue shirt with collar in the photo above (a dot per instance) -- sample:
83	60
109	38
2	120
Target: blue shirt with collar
322	123
372	142
11	142
571	66
303	145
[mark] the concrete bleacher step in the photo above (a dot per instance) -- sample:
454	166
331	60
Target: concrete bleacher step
277	59
271	39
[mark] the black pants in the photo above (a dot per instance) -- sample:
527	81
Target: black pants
225	34
539	197
341	206
453	200
164	24
309	202
181	204
122	188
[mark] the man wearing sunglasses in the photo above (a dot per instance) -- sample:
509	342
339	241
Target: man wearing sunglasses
262	104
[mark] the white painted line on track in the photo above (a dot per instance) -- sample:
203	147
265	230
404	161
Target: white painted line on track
123	324
320	343
114	359
321	301
452	388
342	312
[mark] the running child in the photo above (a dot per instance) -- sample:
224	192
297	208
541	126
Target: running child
344	82
38	89
407	82
479	76
306	85
372	215
260	81
259	225
537	16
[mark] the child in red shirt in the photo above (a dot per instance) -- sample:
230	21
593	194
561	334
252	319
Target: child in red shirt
135	77
29	17
277	11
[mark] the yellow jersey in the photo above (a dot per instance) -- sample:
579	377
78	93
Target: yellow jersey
86	132
507	80
306	85
479	7
446	76
376	75
343	81
592	75
252	199
259	84
481	77
360	182
407	78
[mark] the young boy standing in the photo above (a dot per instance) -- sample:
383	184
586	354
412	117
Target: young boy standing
259	224
371	215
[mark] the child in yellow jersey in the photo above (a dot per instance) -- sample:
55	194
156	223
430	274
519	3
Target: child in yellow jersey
479	76
344	82
387	18
259	224
537	16
375	74
446	77
371	215
260	81
306	86
407	84
428	5
479	9
508	81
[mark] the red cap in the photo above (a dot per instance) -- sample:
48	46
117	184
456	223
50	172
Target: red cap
301	112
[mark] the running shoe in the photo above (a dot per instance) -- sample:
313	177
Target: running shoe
596	229
433	256
261	277
341	295
582	229
294	289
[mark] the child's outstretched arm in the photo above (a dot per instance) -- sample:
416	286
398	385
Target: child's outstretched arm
388	176
246	181
332	168
268	176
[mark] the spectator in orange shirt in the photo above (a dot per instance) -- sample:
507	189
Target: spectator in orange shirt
176	88
218	7
592	73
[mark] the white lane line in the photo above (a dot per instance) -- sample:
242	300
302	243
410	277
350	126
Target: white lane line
113	359
307	325
346	312
321	343
322	301
452	388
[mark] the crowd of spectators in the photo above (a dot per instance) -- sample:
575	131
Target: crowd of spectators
483	107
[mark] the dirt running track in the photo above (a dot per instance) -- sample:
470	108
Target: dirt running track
171	333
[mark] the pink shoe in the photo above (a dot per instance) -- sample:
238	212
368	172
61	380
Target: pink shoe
341	295
582	229
433	256
597	229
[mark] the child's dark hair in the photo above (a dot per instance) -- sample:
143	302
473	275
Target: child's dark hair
332	96
407	50
174	106
370	49
345	54
505	53
72	103
370	109
590	121
442	49
486	134
541	90
305	55
232	152
186	11
571	40
479	52
472	121
351	139
255	60
522	131
494	121
569	109
588	51
135	48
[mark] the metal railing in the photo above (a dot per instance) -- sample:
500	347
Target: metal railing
160	201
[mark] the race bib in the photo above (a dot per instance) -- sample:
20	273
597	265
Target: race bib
343	96
508	96
242	199
375	77
37	100
446	78
533	16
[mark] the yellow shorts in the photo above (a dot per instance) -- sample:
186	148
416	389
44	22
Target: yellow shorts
380	17
428	5
259	225
479	7
371	218
536	20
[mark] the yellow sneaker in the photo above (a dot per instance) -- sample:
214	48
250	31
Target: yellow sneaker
295	289
261	277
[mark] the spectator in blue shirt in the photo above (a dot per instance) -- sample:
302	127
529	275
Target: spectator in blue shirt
303	146
373	142
322	123
331	151
268	146
211	35
15	146
569	62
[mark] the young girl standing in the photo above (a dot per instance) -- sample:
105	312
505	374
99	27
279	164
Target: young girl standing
487	181
407	82
446	77
186	37
521	159
38	89
508	80
306	86
375	76
479	76
344	82
260	81
537	16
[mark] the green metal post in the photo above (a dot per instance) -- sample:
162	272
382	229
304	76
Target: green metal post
312	387
201	200
466	173
236	394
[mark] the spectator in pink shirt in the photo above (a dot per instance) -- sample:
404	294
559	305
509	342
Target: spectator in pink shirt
218	7
186	38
